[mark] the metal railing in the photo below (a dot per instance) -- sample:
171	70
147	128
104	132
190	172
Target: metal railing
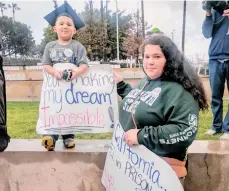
20	62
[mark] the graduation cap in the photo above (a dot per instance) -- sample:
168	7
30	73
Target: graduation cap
64	10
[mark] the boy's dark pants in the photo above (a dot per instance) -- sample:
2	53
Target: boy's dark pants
55	137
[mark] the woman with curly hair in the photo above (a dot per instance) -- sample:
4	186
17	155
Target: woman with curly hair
161	113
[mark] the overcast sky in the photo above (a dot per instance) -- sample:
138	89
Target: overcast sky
166	15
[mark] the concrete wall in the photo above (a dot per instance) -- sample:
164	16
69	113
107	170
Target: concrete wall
26	166
25	85
208	166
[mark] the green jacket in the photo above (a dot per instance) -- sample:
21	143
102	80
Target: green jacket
165	113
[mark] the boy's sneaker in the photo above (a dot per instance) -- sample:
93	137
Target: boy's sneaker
48	142
69	143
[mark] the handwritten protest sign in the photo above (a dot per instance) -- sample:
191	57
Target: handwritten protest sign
87	104
136	168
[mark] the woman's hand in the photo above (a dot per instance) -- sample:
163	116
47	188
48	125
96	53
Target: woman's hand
131	137
118	78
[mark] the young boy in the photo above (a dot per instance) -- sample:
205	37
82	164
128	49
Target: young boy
65	22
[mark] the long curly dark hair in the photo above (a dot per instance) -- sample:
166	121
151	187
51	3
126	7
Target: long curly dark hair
179	69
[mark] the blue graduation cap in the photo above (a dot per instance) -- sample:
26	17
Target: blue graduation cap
64	10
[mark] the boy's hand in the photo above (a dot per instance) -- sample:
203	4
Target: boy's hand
76	72
57	74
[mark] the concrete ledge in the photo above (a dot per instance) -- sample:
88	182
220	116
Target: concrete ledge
34	145
208	166
27	166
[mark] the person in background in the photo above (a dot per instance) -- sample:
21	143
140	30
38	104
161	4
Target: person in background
215	26
4	137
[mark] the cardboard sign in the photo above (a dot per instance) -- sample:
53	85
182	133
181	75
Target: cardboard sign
136	168
87	104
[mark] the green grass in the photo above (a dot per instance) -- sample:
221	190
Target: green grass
22	119
205	123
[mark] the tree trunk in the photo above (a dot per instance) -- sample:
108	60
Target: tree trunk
103	31
137	57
